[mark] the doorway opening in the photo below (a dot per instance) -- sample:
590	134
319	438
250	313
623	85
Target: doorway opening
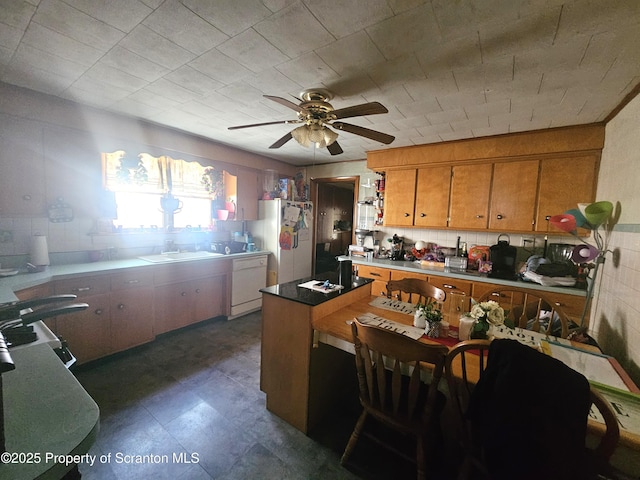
334	199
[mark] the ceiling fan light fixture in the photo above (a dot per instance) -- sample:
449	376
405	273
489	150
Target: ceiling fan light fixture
316	134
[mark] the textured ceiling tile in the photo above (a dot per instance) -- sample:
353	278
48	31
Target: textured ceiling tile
578	17
122	14
53	42
294	31
113	76
461	100
193	80
229	16
446	55
10	37
412	31
129	62
145	42
354	15
455	115
66	20
171	90
16	14
356	51
153	100
271	81
252	51
183	27
419	108
35	79
396	71
220	67
27	56
308	70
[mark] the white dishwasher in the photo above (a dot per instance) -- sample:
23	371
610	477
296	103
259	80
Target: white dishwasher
248	277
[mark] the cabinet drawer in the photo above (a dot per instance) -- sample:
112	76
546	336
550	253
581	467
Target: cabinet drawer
84	286
376	273
131	278
572	305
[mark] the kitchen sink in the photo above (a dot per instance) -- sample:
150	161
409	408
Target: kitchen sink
177	256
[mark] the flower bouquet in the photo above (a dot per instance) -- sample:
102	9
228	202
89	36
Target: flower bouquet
485	314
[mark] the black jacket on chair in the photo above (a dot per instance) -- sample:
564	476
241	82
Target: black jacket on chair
529	415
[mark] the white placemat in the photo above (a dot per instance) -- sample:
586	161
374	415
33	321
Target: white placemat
393	305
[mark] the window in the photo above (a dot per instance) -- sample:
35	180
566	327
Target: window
156	191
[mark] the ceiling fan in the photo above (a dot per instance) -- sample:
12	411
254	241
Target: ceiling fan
317	114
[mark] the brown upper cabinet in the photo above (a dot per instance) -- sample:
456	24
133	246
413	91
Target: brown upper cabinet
506	183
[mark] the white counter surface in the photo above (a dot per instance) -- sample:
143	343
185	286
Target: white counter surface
9	285
471	276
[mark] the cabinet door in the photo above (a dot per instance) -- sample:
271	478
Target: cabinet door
458	297
248	194
400	191
380	278
208	297
564	182
513	196
22	184
132	314
173	306
432	197
470	188
88	333
73	171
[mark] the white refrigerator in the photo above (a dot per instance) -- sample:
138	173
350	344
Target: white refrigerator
285	228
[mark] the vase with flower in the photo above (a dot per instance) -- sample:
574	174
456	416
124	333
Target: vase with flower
428	316
484	315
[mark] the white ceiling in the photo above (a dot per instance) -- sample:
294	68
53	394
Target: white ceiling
445	69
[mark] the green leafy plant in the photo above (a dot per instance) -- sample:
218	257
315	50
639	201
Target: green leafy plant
430	311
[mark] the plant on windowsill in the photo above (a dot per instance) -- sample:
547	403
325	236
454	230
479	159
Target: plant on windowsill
213	181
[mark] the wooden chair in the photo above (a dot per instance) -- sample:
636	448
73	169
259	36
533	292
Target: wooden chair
402	401
414	290
530	310
465	365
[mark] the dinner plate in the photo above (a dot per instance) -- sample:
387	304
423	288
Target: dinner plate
7	272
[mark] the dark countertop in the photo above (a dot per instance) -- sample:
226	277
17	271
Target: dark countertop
292	291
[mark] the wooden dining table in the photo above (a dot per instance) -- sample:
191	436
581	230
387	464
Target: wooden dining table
335	330
307	351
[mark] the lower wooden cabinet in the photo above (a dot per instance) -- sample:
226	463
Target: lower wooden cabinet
88	333
132	313
130	307
458	299
380	276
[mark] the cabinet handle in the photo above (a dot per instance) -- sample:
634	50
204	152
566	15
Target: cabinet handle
406	214
129	282
547	217
452	287
374	274
499	217
98	311
183	294
479	216
197	290
423	214
121	306
82	289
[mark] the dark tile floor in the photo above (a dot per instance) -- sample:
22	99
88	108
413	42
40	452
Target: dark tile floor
189	406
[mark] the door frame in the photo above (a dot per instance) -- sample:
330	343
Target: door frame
313	193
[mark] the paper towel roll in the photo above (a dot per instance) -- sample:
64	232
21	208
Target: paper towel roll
39	250
464	329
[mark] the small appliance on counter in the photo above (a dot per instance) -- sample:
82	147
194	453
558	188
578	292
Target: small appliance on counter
503	259
397	250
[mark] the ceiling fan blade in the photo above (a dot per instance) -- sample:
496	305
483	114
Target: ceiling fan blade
282	141
364	132
334	149
263	124
372	108
285	102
